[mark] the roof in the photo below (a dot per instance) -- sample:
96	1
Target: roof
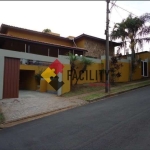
142	52
38	42
4	28
137	53
95	38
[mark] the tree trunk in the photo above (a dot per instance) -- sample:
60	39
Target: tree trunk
72	71
132	59
80	73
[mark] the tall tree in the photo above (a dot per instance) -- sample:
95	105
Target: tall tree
46	30
133	30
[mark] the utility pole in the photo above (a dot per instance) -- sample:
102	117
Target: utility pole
107	86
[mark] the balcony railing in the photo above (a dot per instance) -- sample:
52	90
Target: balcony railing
34	62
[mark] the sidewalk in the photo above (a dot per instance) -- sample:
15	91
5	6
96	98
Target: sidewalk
32	103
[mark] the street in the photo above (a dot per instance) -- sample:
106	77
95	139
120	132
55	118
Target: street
117	123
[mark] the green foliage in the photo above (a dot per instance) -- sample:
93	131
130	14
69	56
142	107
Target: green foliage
72	58
73	62
38	76
86	62
46	30
76	62
2	118
114	68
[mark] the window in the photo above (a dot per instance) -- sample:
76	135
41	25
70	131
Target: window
144	68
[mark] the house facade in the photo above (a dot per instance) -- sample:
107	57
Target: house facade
25	53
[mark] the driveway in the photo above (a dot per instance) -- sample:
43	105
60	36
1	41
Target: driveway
32	103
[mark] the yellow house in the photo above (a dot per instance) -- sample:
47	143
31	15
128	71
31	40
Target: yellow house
26	53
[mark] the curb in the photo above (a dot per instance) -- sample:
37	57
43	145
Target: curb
33	117
114	94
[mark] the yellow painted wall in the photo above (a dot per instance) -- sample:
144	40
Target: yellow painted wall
91	75
93	69
137	74
34	36
124	70
33	67
144	55
66	79
80	42
44	86
103	66
26	80
31	82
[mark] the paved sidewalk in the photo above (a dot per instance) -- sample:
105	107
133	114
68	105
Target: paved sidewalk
32	103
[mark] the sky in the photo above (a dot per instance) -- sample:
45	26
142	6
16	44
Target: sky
68	18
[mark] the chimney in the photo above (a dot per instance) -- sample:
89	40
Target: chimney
71	37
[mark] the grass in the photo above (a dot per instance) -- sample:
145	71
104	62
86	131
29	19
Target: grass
115	90
2	118
82	89
77	90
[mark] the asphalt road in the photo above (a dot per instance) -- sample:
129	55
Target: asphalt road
117	123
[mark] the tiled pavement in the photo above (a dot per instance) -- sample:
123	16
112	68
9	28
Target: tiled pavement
32	103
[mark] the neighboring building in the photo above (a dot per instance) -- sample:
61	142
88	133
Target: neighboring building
96	46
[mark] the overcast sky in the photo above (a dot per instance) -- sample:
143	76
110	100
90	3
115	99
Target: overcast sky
68	18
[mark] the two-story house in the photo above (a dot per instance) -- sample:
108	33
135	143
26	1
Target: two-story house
23	51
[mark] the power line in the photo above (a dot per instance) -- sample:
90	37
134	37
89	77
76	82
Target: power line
110	12
118	13
123	9
112	5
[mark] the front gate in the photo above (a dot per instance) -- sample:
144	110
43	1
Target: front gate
11	78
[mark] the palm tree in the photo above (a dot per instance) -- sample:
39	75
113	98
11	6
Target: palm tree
46	30
133	30
74	62
85	62
73	59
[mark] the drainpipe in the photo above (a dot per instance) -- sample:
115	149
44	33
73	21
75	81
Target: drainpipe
25	48
28	48
74	42
48	51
